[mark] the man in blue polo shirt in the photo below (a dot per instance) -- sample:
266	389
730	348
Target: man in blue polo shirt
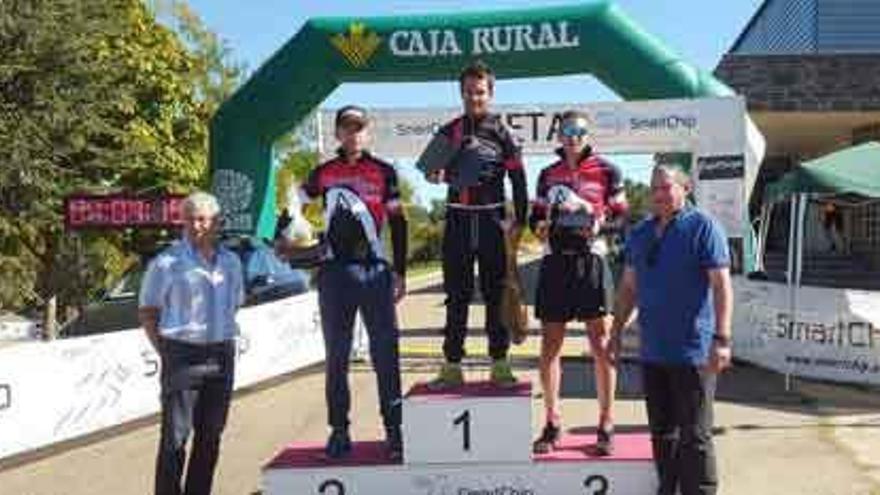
676	273
188	300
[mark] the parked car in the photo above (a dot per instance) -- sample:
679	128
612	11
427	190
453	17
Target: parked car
14	327
267	278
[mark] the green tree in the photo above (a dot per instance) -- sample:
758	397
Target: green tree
292	172
639	197
215	72
295	160
426	233
95	95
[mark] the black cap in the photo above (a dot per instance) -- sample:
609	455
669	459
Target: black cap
352	113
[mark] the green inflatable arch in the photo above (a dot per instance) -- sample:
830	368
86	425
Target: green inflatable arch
595	38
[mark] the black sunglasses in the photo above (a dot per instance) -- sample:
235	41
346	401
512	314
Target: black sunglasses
653	251
573	130
656	242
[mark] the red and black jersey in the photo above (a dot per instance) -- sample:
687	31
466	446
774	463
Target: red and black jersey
374	181
375	184
595	181
499	155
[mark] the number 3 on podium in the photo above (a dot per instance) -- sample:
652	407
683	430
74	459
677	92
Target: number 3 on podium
597	484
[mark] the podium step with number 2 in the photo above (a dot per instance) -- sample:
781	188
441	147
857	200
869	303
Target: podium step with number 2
475	439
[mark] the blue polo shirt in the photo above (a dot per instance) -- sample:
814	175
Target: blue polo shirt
197	299
676	310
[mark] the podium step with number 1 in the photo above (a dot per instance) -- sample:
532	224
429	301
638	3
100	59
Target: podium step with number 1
477	422
474	439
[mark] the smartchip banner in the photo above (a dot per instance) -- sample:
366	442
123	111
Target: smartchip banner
832	334
708	126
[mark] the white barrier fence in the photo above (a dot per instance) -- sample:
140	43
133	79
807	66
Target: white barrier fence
56	391
60	390
834	335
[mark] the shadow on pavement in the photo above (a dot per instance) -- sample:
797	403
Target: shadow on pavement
743	384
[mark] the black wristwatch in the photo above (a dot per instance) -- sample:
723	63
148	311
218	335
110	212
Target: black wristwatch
722	340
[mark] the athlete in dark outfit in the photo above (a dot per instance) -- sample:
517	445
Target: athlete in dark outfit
360	193
476	223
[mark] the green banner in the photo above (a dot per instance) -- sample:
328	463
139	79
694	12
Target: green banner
595	38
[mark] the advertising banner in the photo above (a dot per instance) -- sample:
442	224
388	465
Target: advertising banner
705	126
834	335
55	391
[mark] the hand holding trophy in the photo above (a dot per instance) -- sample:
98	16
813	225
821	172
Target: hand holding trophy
301	248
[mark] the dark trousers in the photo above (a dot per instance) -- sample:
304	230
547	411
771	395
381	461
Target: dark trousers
343	289
196	382
473	235
679	402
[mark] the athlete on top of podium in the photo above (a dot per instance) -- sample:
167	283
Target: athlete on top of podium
473	154
360	193
578	196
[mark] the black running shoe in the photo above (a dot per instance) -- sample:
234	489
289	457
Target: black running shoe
338	444
548	439
394	443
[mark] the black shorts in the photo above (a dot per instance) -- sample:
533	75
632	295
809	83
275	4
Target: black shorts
574	287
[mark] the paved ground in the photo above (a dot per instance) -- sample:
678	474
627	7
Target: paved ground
818	439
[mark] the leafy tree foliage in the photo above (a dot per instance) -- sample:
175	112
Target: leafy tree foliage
95	96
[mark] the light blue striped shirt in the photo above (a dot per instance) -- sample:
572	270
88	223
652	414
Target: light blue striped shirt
197	300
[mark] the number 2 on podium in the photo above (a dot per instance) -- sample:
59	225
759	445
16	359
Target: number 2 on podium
464	419
336	485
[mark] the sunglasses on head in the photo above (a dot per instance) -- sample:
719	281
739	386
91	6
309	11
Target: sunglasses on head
573	130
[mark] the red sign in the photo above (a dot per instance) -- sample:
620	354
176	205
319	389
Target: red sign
121	211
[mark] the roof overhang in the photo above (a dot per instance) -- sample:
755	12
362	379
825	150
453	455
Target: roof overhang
808	135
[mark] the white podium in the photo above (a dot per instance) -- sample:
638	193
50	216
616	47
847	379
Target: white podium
473	440
474	423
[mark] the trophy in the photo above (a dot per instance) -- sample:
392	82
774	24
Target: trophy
301	247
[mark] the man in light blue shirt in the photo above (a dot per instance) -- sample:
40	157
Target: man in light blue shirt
188	300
